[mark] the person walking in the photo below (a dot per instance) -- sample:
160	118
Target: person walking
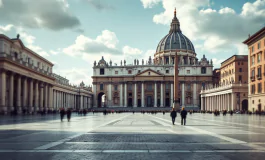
173	115
183	114
68	113
62	112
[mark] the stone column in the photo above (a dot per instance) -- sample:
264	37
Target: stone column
95	103
30	96
194	94
81	102
155	96
183	94
25	93
19	94
162	94
50	98
41	96
171	95
36	102
125	94
233	101
46	97
142	95
110	96
202	104
3	92
11	93
121	95
135	94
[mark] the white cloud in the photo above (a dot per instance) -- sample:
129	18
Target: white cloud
6	28
242	49
77	75
103	44
221	29
227	10
217	62
127	50
150	3
51	14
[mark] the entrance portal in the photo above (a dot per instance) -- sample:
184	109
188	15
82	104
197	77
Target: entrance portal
167	102
101	100
149	101
245	105
130	102
139	103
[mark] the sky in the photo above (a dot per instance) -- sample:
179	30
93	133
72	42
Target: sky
72	34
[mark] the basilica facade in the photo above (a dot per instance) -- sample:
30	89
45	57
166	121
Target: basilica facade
151	83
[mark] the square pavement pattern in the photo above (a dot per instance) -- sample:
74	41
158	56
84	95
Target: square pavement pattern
132	136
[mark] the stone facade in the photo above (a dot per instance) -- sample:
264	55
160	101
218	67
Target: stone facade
232	90
150	83
28	84
256	58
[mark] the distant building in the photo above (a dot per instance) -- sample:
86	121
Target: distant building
150	83
216	76
232	90
256	59
27	83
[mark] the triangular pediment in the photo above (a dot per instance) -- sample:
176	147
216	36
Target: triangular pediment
149	72
19	43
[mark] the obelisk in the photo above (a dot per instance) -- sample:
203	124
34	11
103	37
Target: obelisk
176	83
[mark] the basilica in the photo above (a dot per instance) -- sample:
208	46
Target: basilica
150	83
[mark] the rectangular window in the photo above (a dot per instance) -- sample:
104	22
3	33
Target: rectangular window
139	87
259	87
253	60
101	86
129	71
259	58
167	71
129	87
252	49
139	71
259	72
253	89
253	73
149	87
259	45
116	72
238	63
240	78
240	69
167	86
115	87
101	71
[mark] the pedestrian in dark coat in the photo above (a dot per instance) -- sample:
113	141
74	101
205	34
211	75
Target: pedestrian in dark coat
68	112
62	112
183	114
173	115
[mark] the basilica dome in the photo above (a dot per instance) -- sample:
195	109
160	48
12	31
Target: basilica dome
175	40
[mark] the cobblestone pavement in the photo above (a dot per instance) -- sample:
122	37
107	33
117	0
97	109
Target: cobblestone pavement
133	136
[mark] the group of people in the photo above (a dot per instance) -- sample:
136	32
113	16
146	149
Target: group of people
183	114
68	112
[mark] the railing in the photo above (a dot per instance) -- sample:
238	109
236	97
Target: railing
224	87
259	77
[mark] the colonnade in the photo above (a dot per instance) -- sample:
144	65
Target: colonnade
63	99
23	94
27	95
123	94
220	102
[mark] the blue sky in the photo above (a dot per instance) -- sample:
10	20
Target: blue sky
74	33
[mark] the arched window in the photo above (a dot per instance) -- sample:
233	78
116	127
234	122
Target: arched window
203	70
